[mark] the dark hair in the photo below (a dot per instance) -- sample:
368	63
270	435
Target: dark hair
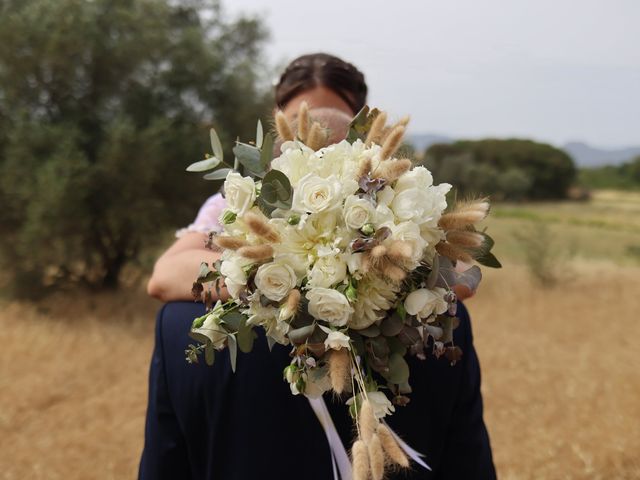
322	69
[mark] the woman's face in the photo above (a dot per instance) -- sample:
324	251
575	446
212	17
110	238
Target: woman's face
316	97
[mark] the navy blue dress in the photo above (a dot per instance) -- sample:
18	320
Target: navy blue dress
208	423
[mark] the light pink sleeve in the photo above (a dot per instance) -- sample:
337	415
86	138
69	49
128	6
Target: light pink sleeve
207	219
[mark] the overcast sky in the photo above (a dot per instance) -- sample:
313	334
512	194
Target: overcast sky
554	70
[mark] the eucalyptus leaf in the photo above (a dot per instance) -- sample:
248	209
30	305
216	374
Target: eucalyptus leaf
398	370
276	192
204	270
245	336
409	336
216	146
448	276
219	174
300	335
371	331
266	151
249	157
199	337
233	351
432	279
204	165
259	134
396	346
446	323
489	260
270	342
233	319
209	354
392	325
361	123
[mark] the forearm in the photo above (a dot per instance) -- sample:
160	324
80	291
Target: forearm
173	275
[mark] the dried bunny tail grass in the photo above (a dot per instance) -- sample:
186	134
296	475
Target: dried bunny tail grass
282	126
453	252
393	272
317	137
367	261
392	142
360	460
378	252
394	169
464	238
367	421
377	127
365	167
404	121
400	250
465	214
303	121
376	457
258	225
391	447
256	252
339	369
290	306
229	243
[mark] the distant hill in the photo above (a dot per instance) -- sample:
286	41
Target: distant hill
587	156
583	154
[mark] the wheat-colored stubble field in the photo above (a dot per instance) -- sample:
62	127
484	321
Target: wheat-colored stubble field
561	375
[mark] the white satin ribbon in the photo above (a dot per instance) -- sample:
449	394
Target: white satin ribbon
339	455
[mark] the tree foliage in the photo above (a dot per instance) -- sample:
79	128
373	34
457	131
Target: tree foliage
103	104
505	169
625	176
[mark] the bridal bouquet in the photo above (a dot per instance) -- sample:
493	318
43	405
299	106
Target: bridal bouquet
347	254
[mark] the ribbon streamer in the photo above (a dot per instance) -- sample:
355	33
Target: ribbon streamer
339	455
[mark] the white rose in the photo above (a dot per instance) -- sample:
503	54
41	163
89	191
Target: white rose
385	196
357	211
411	204
296	161
239	192
275	280
329	305
211	327
234	277
418	177
316	194
327	271
337	340
424	302
410	232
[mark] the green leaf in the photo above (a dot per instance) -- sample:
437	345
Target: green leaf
361	123
392	325
276	192
209	354
398	369
259	134
371	331
249	157
216	146
204	165
245	336
233	351
300	335
233	319
489	260
199	337
219	174
409	336
396	346
266	151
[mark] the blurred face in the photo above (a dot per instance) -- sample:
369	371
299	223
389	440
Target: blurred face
317	97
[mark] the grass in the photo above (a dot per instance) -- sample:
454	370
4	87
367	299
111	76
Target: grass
560	374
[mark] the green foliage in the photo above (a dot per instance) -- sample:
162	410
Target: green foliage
102	106
621	177
505	169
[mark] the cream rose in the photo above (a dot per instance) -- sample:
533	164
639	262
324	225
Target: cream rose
336	340
327	271
275	280
418	177
329	305
424	302
239	192
234	277
315	194
357	211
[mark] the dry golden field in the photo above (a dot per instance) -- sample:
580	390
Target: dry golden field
561	375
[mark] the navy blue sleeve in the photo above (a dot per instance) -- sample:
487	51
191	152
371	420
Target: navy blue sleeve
467	453
165	451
